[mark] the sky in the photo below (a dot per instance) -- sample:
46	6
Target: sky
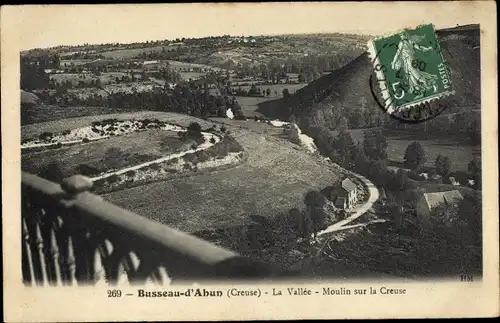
52	25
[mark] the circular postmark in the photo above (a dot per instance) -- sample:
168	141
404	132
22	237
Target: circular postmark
410	75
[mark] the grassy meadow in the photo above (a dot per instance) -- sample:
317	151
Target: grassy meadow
112	153
274	178
459	150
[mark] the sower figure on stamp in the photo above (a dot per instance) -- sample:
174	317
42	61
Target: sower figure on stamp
417	81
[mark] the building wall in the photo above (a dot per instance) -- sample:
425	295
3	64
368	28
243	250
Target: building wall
423	213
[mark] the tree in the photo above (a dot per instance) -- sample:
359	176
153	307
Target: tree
375	144
342	124
268	92
443	165
396	212
401	179
474	168
344	150
314	202
286	93
414	156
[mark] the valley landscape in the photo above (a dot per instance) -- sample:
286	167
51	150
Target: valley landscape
262	144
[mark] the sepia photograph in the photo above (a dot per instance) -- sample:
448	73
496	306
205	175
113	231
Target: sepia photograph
167	158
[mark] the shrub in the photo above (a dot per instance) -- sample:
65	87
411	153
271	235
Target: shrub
113	178
223	129
130	173
66	132
155	167
87	170
415	176
194	126
212	140
99	183
187	166
85	140
45	135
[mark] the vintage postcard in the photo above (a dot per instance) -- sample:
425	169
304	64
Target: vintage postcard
240	161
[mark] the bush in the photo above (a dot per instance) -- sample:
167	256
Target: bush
130	173
85	140
223	129
99	183
87	170
45	135
415	176
194	126
113	178
155	166
212	140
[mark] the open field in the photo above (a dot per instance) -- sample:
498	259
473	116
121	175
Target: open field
249	104
459	150
192	75
75	62
112	153
274	87
106	77
275	178
58	125
36	114
130	53
177	65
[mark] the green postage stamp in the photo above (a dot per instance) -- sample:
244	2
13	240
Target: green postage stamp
410	68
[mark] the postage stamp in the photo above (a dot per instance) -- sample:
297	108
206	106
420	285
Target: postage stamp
410	68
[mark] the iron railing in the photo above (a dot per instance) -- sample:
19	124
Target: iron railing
74	237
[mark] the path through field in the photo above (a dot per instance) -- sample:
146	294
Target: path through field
205	145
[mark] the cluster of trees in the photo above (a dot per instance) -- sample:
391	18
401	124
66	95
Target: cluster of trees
33	74
308	67
167	74
463	123
187	98
369	158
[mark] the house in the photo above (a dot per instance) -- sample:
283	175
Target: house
424	175
151	65
341	203
347	190
453	181
430	202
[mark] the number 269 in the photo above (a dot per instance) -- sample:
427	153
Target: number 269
114	293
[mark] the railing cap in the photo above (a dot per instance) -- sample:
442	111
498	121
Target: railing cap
76	184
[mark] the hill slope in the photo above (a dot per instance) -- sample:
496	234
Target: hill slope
346	91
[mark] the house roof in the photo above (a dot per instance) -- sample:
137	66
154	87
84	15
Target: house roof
348	185
448	197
